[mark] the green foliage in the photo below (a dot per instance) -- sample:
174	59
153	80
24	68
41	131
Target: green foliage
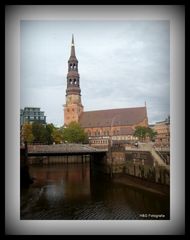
74	133
39	132
49	128
44	133
143	132
151	133
27	133
57	135
140	132
49	134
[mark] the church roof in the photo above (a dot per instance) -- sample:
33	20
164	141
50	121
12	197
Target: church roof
113	117
126	131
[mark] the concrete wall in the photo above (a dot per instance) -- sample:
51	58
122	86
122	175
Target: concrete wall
141	165
136	163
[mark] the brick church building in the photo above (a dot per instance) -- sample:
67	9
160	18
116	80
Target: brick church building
102	125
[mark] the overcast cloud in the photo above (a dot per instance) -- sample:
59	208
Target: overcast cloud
121	64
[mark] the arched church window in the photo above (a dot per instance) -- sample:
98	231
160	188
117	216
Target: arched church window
75	81
70	80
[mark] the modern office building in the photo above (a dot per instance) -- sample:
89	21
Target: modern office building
32	114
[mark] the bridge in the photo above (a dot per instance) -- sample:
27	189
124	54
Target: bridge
46	154
63	150
116	159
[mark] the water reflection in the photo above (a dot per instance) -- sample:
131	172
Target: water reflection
69	192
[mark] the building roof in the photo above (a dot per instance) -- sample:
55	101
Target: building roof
113	117
126	131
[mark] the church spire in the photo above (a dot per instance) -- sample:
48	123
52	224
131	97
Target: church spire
73	83
72	48
72	39
73	107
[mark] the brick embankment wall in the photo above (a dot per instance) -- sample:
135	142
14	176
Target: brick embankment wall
135	182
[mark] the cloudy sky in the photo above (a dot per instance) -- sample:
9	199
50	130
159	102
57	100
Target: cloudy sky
121	64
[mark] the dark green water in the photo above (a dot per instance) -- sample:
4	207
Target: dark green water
63	192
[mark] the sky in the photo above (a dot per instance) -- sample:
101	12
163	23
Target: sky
122	64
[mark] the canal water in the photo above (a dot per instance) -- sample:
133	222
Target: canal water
69	192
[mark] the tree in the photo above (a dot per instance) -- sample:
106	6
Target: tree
57	135
151	133
49	128
143	132
140	132
39	132
74	133
27	133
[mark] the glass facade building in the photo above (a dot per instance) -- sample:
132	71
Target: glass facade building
32	114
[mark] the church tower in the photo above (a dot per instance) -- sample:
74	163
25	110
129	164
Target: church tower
73	107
